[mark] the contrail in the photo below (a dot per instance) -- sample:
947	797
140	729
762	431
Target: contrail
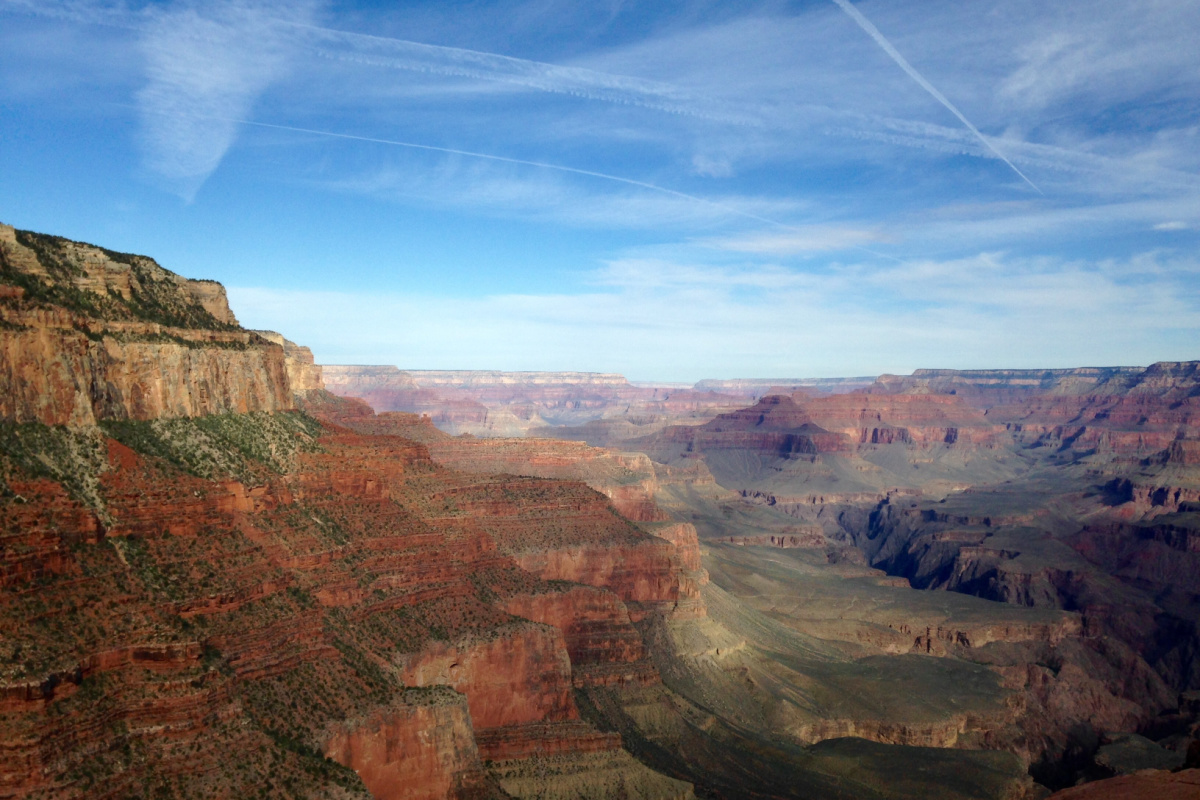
456	61
874	33
433	59
546	165
508	160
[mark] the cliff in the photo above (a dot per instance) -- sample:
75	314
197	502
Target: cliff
304	375
988	387
87	334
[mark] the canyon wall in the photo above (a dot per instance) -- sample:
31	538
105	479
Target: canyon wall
304	374
205	591
87	334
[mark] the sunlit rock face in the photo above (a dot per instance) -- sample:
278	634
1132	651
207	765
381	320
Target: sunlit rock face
89	334
304	375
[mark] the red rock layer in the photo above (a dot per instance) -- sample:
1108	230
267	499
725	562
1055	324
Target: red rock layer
909	418
600	638
423	749
221	614
513	676
1149	785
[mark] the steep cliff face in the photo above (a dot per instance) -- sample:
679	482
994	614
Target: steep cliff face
200	592
87	334
304	374
422	748
1119	410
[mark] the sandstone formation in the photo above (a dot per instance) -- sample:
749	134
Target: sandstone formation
303	373
87	334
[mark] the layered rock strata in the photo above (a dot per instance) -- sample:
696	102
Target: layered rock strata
304	374
87	334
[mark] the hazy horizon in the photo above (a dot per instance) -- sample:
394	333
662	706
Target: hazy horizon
671	192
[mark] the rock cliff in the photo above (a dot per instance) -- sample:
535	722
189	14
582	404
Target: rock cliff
304	375
87	334
206	592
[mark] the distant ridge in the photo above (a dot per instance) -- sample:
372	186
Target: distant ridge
757	387
445	378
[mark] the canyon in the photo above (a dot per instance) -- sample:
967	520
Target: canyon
229	571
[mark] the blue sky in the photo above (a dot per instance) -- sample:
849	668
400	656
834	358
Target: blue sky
671	191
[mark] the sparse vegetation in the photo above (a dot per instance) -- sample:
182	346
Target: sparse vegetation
73	457
155	294
221	444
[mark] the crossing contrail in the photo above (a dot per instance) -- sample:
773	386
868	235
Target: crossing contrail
880	40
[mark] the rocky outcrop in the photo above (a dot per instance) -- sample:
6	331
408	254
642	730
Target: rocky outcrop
511	675
600	638
303	373
422	748
1149	785
87	334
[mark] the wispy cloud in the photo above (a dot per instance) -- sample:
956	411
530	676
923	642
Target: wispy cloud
802	240
517	189
419	57
206	64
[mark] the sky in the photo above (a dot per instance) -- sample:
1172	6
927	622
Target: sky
672	191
